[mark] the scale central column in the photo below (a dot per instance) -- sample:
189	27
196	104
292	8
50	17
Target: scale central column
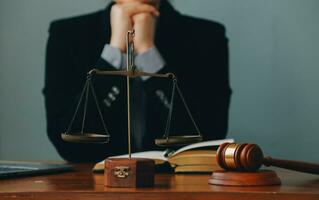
129	65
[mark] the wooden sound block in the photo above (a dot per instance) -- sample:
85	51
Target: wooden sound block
129	172
231	178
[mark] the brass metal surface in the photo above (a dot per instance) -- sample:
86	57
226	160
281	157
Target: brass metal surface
178	140
85	137
121	171
229	156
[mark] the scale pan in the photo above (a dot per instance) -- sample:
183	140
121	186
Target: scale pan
181	140
85	138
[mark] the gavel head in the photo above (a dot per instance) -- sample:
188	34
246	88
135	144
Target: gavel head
239	157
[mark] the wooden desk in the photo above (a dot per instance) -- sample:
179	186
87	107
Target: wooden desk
82	184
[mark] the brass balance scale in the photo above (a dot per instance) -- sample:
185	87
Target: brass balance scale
137	172
131	72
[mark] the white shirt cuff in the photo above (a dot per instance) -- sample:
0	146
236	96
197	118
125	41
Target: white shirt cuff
150	61
112	55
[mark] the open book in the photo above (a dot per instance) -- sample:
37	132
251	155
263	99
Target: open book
198	157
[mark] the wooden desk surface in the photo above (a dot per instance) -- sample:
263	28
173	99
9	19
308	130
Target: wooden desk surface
82	184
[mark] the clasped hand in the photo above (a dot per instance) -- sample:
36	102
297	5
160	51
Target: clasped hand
133	14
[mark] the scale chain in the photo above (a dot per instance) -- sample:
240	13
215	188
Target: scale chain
99	109
169	118
85	104
77	107
87	86
188	110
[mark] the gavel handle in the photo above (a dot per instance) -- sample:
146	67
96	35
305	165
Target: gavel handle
293	165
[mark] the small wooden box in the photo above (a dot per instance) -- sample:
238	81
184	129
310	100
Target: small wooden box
126	173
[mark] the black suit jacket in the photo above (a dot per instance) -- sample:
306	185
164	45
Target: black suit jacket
195	50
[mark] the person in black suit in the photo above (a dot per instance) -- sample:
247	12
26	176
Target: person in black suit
196	50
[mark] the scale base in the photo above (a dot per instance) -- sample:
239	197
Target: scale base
129	172
230	178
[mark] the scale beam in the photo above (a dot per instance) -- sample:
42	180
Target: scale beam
133	73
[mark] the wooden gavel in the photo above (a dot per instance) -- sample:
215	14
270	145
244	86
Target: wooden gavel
249	158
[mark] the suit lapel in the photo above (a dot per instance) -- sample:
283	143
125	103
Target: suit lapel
167	22
105	25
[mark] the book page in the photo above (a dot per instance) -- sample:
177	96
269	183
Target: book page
155	155
203	144
193	157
